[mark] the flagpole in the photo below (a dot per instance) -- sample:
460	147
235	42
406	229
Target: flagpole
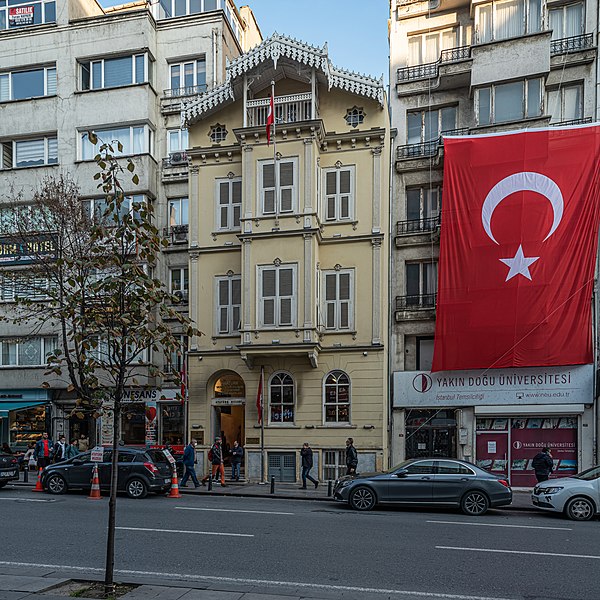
275	165
262	426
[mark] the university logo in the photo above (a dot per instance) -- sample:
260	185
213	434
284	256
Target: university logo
422	383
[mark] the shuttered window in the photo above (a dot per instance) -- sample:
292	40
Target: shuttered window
339	291
283	200
277	296
113	72
229	203
339	194
229	302
31	153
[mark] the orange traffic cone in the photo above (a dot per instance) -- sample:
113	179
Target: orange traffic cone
174	493
38	485
95	491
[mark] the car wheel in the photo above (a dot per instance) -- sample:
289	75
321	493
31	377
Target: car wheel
363	498
56	484
475	503
136	488
580	509
2	484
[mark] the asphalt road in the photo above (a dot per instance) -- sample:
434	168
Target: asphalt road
318	548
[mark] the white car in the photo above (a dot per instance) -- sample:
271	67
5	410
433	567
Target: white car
578	496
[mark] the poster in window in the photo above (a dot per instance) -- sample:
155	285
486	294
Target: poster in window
20	15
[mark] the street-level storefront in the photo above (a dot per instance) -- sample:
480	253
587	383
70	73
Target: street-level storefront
499	419
24	416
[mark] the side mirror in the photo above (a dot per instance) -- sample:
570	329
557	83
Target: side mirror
401	473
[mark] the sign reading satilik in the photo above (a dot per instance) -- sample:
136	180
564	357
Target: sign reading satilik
20	15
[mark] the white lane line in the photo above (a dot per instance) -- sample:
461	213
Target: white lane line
265	582
592	556
28	499
500	525
186	531
233	510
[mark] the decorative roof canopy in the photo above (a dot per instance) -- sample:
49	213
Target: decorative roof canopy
276	48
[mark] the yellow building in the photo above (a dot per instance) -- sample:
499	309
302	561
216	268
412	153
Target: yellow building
288	266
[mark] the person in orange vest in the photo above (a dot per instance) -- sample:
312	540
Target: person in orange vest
43	451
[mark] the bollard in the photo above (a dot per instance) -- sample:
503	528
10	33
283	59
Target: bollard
330	488
272	485
26	474
210	482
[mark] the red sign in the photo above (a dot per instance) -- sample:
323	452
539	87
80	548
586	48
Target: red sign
21	15
518	249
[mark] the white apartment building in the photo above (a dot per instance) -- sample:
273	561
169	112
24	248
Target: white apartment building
70	66
467	67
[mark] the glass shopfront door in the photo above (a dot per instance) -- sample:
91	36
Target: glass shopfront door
430	433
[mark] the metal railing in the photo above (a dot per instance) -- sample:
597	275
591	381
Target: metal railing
581	121
430	148
431	69
190	90
177	234
572	44
288	109
418	225
415	302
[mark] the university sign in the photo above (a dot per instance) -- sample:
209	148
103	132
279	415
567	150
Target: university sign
550	385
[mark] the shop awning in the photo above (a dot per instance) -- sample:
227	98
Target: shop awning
6	407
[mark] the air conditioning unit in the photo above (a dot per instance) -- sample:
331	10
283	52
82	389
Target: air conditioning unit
182	295
178	158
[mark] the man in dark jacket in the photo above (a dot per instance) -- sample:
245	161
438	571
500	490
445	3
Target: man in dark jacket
307	464
43	451
351	457
543	465
60	449
189	461
216	459
237	453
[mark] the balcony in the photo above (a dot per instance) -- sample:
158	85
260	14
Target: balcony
176	234
171	98
419	307
426	149
288	109
581	121
411	232
572	44
174	171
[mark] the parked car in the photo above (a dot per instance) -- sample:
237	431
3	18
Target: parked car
577	496
9	468
140	471
426	482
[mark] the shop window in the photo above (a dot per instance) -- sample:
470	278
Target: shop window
171	423
133	423
336	405
26	425
281	399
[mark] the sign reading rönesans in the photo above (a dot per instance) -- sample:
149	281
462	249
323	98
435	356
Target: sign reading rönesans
550	385
25	252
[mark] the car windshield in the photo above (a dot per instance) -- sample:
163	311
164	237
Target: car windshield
589	475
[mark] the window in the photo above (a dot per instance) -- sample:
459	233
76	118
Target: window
218	133
423	203
424	467
334	464
175	359
188	77
421	280
179	280
26	352
21	284
285	200
339	293
513	101
229	203
339	194
135	139
96	207
507	19
178	211
355	116
114	72
277	295
428	125
29	153
281	398
336	405
31	83
427	47
448	467
567	21
229	302
566	103
177	140
22	14
424	354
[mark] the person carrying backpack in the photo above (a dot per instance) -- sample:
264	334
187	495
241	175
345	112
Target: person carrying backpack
215	456
543	465
351	457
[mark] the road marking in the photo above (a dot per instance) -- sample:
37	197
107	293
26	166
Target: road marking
29	499
265	582
233	510
186	531
501	525
592	556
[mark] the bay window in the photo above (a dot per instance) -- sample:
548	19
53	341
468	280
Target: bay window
506	19
134	139
514	101
114	72
29	152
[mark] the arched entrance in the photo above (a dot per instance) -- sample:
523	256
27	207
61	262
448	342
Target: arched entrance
229	409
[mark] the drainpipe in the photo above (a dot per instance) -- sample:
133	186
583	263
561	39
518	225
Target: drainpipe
215	53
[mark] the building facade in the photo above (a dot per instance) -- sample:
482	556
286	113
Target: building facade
464	68
288	261
70	66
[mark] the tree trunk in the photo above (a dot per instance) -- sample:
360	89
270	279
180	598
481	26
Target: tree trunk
109	582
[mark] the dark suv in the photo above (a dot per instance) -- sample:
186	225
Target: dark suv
140	471
9	468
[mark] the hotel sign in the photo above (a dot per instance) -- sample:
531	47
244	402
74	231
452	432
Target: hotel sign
21	252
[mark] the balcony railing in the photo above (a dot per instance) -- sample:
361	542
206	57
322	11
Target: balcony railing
177	234
572	44
581	121
288	109
190	90
415	302
413	226
432	69
429	148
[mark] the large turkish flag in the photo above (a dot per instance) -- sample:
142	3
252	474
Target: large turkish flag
518	249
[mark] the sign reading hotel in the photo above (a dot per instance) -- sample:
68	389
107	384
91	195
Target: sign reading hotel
544	385
22	15
30	251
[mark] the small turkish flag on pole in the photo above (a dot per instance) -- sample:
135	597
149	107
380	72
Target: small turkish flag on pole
270	116
259	396
518	249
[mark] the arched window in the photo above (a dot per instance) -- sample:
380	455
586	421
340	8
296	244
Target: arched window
336	405
281	398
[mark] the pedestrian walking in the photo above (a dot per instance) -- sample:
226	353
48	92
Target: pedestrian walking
60	449
351	457
83	443
215	456
43	451
189	462
29	458
72	449
307	464
237	454
543	464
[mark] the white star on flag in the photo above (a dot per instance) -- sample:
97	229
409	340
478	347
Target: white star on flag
519	265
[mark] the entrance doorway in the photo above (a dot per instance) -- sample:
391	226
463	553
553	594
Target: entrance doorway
430	433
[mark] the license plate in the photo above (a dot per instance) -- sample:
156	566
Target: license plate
8	473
